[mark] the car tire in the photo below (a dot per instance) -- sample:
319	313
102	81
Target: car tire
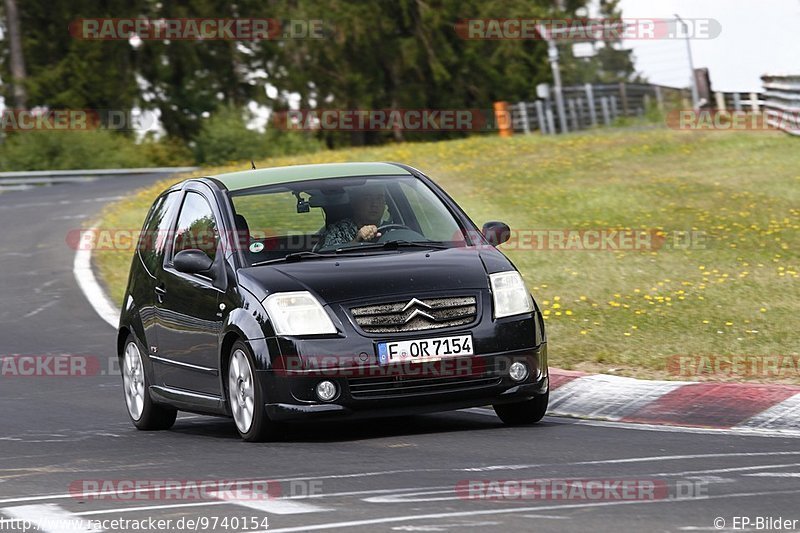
145	414
523	413
246	397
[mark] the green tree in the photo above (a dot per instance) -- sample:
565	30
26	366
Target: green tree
66	72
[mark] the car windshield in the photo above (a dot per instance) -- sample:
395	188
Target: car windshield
328	217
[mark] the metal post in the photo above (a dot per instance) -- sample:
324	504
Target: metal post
590	100
551	125
523	114
540	116
737	102
573	115
604	107
659	99
720	97
754	102
552	56
695	94
623	95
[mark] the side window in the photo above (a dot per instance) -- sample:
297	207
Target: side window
155	232
197	227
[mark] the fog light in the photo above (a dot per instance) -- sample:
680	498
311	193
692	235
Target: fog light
518	371
326	391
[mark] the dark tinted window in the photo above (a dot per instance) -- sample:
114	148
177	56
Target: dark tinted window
155	233
197	228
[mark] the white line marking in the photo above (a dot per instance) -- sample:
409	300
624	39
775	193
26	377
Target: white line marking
630	460
388	520
445	527
774	474
41	308
279	506
736	430
489	468
97	494
741	431
62	202
48	517
94	293
726	470
269	505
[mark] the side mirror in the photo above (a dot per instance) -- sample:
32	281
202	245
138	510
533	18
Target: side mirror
193	261
496	232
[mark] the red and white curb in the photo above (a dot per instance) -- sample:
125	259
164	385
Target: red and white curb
675	403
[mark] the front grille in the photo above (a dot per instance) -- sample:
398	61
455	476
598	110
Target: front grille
367	388
416	314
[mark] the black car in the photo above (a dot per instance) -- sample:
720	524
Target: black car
320	292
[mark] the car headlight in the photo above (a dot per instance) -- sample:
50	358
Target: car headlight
510	295
297	313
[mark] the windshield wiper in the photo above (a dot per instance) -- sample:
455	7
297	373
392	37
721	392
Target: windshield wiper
293	257
393	245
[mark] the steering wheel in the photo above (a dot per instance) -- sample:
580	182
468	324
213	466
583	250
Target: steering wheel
392	227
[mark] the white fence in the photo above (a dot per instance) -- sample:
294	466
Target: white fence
591	105
782	102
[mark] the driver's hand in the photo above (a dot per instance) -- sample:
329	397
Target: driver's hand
367	233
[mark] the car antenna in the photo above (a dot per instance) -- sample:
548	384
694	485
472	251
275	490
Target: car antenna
253	164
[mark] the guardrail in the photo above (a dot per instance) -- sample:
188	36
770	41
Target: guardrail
782	102
33	177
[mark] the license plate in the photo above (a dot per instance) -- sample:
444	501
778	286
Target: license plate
424	349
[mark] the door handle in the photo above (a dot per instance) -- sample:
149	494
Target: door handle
161	291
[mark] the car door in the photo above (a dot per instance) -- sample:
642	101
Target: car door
188	317
150	251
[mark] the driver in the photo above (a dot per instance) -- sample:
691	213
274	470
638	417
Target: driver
368	205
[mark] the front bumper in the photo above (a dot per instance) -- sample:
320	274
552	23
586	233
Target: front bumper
365	389
361	396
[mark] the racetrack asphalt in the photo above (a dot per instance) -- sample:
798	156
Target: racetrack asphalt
61	436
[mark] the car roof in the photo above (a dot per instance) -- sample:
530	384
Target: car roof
246	179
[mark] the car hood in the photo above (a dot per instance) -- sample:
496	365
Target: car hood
350	277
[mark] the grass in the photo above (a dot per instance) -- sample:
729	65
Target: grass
625	312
